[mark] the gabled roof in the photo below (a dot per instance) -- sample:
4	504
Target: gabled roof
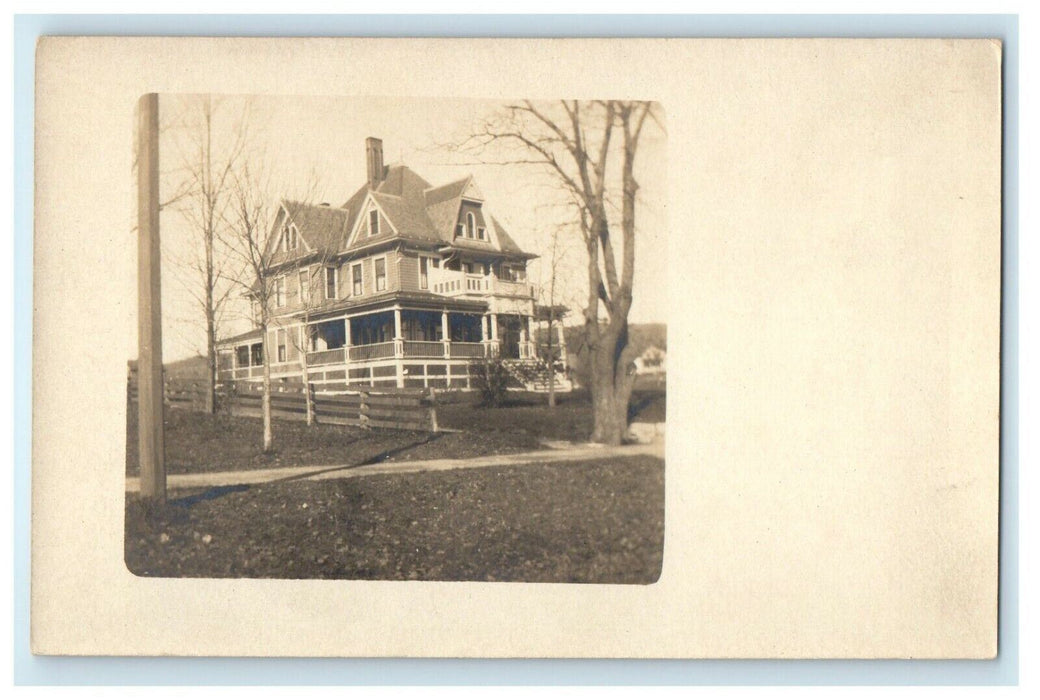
416	211
323	228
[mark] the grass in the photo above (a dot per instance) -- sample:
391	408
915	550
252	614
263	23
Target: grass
528	414
594	522
196	442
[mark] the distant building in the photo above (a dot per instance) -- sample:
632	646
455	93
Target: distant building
652	361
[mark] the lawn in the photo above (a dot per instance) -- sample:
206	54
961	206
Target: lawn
528	414
196	442
595	522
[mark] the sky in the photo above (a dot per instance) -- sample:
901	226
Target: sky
318	144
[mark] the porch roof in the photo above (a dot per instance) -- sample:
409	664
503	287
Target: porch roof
253	334
425	301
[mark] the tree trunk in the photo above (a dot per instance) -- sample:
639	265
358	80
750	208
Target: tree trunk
211	366
552	362
610	386
265	400
306	382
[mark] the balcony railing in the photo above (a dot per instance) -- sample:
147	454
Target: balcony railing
376	351
510	288
453	283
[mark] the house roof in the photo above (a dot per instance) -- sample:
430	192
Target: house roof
324	228
420	212
416	211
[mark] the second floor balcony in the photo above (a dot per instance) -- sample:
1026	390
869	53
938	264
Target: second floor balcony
457	283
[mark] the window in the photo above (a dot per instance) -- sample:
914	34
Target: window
482	233
424	273
279	292
460	230
290	237
357	279
257	354
471	225
380	274
242	356
373	223
305	286
330	282
281	345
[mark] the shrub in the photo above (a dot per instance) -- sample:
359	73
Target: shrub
492	379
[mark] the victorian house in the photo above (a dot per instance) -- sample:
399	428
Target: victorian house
405	285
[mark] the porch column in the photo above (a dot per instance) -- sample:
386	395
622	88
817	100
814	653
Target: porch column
495	347
446	334
399	347
346	333
562	342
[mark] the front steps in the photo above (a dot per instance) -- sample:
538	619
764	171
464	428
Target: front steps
533	375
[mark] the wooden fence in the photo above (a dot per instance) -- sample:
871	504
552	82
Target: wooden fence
401	409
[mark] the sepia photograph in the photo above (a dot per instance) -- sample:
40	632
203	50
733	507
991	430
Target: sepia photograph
517	348
397	338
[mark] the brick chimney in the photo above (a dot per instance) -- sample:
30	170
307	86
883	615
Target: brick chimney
374	159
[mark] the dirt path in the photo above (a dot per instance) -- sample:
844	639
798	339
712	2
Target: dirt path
259	476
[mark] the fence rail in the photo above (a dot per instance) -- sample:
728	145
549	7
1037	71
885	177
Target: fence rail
336	404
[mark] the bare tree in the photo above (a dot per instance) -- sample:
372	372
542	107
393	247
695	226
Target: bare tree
204	199
589	150
248	236
309	267
555	252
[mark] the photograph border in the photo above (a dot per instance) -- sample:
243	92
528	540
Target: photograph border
1002	670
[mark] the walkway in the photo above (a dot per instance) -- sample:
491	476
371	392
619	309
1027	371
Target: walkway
262	476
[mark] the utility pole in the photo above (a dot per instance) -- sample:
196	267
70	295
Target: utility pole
149	316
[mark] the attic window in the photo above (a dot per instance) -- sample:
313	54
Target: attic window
471	225
481	233
460	230
373	223
290	237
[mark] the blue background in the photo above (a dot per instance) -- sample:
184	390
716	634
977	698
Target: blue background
240	671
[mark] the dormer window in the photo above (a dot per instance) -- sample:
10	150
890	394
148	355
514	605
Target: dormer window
460	230
482	233
471	225
373	223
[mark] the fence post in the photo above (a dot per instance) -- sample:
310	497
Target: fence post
363	409
310	398
433	410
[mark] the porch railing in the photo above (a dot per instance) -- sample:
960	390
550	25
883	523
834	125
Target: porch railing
423	348
376	351
460	349
325	357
